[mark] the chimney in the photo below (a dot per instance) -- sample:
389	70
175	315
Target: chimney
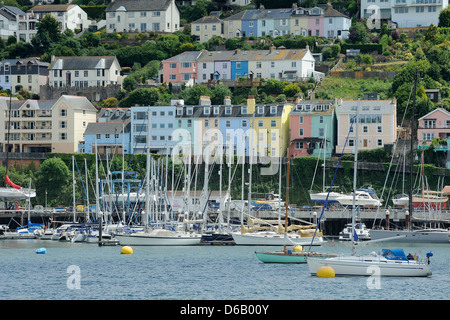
297	100
261	7
251	103
294	6
205	101
227	101
177	102
272	48
52	58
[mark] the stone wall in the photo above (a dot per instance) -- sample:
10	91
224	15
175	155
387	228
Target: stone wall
91	93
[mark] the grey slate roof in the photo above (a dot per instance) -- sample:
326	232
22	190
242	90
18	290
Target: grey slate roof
14	10
82	63
208	19
138	5
107	127
198	111
185	56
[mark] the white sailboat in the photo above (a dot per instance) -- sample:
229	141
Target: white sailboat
281	236
362	197
158	236
426	200
393	263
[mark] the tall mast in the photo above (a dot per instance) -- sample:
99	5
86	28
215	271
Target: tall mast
411	155
355	171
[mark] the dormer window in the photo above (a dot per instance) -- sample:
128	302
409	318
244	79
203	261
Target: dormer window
227	110
189	111
244	109
273	109
216	110
179	111
260	109
207	110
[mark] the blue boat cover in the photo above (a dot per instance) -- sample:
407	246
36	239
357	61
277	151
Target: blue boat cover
394	254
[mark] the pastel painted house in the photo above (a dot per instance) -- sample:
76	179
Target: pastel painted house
312	125
377	124
181	68
435	124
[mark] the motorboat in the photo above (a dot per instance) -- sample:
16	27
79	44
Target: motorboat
363	198
419	235
362	232
401	200
389	263
321	197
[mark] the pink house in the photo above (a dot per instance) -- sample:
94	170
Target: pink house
435	124
312	125
315	26
180	68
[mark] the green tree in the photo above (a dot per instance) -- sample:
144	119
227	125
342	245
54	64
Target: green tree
358	33
48	33
291	90
192	95
219	93
53	177
144	97
444	18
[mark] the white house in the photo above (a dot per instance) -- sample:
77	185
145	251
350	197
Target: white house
69	16
9	21
142	16
404	13
336	24
83	71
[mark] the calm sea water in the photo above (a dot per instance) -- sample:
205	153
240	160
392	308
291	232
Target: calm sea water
82	271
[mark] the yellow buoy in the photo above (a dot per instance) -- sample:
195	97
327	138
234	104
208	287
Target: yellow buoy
126	250
325	272
298	248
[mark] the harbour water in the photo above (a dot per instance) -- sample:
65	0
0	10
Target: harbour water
81	271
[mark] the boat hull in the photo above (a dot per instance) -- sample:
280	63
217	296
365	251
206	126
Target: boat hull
288	257
262	239
433	236
321	197
280	257
138	239
366	266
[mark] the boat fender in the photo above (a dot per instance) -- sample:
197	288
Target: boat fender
289	252
41	251
429	255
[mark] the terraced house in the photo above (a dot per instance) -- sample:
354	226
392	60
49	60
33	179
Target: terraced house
312	125
204	66
316	21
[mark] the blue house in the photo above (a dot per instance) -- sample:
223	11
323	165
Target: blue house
162	124
239	69
111	133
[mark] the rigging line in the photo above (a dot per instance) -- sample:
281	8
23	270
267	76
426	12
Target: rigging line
393	153
82	183
332	181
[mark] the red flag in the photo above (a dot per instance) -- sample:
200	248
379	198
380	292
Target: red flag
12	184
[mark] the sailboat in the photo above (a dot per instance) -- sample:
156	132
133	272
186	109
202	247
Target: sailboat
156	235
325	195
263	236
390	262
425	200
297	254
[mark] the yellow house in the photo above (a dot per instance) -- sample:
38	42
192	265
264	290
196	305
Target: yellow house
271	127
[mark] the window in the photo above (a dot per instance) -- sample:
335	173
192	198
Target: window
172	77
107	136
273	109
62	124
63	112
63	136
189	123
260	109
244	110
227	110
224	65
258	64
379	129
365	129
172	65
228	123
244	123
143	13
86	73
260	123
156	13
186	64
238	65
300	132
206	123
321	119
293	64
273	123
351	143
206	110
185	77
298	145
301	119
321	132
427	136
379	142
197	28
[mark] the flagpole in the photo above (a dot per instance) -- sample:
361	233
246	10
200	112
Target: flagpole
9	128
